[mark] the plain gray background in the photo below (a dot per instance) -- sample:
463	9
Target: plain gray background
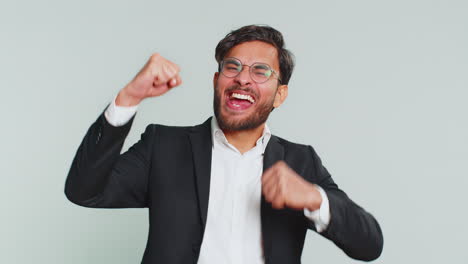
379	90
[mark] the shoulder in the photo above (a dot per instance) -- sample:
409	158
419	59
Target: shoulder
297	152
302	158
290	146
175	131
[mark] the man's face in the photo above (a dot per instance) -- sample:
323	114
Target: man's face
239	102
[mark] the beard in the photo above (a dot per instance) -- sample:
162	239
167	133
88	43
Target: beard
258	117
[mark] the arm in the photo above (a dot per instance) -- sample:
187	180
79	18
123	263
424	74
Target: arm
100	176
351	228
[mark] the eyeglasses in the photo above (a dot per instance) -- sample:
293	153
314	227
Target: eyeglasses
259	72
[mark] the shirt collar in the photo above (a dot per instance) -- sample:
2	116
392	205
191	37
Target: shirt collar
218	135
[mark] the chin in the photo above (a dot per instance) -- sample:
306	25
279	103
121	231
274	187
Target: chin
238	118
230	121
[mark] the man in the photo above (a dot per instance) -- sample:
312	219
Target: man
225	191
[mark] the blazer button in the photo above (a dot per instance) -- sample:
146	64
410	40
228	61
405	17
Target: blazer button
98	136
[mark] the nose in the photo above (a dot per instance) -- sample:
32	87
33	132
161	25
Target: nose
243	78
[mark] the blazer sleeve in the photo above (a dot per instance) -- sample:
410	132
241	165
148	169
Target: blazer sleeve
351	228
101	177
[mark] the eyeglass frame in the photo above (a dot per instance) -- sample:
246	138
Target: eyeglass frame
221	64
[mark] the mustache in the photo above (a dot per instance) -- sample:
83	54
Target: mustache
244	89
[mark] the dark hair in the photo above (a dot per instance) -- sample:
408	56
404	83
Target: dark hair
261	33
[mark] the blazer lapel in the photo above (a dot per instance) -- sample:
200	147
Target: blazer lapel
273	153
200	138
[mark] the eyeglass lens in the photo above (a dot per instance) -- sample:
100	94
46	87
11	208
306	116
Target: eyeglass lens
259	72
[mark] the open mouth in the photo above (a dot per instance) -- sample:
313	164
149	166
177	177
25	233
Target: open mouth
240	100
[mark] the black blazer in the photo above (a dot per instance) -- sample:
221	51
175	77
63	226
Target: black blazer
168	171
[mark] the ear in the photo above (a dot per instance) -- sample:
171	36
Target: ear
215	79
281	94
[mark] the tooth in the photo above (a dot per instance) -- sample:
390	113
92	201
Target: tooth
243	96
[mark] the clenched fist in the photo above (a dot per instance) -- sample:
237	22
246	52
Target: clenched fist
154	79
283	187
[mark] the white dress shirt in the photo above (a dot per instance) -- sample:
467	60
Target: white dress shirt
233	226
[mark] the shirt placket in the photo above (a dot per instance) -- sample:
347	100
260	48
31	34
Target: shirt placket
236	250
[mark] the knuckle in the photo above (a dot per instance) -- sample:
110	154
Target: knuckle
280	190
274	168
155	56
175	67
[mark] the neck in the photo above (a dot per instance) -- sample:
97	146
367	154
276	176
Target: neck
244	140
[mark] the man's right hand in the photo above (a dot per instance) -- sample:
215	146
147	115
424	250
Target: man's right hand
157	77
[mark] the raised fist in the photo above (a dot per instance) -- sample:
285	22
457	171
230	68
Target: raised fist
284	188
157	77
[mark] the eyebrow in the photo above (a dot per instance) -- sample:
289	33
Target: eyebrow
250	63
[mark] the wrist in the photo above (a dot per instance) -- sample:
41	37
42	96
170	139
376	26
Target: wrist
314	200
125	99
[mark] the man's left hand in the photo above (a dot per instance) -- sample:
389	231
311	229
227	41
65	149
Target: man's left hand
283	187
